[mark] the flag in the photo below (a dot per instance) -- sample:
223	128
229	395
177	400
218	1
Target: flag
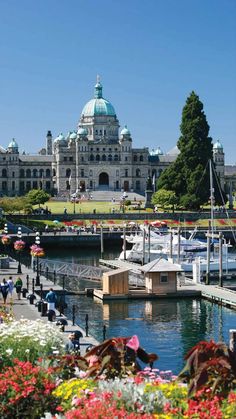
154	181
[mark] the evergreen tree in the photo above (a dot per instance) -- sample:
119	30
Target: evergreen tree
188	176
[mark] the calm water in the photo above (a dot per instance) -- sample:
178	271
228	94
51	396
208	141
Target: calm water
167	327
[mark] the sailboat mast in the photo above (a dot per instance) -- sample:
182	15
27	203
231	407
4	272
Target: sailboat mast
212	200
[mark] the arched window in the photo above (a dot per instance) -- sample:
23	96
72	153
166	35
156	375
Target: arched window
97	157
91	158
141	158
48	172
109	157
35	173
68	172
22	173
4	172
41	173
54	172
116	157
28	173
137	172
104	157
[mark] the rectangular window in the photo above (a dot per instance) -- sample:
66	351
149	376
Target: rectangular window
164	278
48	185
13	185
65	158
35	185
13	174
22	186
70	158
4	185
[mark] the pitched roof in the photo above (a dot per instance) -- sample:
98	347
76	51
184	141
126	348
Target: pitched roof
161	265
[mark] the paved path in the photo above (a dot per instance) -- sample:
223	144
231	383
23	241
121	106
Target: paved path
22	307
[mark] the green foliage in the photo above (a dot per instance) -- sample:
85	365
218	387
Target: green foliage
188	176
11	205
37	196
164	198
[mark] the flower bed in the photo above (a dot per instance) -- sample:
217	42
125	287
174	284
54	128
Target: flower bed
38	380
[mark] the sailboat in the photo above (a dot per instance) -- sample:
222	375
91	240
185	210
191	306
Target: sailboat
213	262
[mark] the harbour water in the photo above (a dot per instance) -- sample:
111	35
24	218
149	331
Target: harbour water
167	327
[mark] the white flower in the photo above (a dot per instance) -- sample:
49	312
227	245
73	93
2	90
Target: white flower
9	351
27	351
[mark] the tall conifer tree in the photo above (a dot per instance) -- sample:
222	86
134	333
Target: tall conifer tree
188	176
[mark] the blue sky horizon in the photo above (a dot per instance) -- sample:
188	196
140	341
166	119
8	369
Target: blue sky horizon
150	56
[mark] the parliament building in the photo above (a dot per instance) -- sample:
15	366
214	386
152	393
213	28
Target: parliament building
98	155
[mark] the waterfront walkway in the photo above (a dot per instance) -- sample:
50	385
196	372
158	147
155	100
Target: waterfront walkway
22	308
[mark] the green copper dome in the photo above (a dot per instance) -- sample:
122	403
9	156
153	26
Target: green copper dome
13	144
98	106
125	131
217	146
82	132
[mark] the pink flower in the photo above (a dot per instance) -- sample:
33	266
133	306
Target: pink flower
93	359
133	343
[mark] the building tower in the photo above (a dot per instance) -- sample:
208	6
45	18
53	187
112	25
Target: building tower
219	160
49	143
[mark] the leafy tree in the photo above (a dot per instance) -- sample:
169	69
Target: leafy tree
37	197
188	176
11	205
164	198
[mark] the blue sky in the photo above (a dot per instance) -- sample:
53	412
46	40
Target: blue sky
150	55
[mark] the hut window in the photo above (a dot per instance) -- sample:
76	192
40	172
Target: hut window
163	278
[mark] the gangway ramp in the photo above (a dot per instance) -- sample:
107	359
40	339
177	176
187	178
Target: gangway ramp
71	269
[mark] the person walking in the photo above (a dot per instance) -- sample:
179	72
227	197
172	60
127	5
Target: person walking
4	290
51	299
11	286
18	286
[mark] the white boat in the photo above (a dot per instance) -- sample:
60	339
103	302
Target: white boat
160	247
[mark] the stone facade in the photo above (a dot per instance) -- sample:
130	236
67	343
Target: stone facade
95	156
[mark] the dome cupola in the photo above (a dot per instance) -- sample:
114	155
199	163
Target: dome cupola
98	106
217	146
125	132
13	146
82	132
60	140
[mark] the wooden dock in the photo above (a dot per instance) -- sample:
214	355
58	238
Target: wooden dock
120	264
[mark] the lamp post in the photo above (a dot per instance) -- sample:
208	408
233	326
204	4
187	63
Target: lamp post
19	235
37	242
5	229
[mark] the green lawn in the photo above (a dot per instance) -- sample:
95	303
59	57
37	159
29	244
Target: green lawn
87	207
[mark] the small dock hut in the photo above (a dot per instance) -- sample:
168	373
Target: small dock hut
161	276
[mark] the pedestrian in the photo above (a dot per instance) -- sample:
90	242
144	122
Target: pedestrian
51	299
11	286
18	286
73	345
4	290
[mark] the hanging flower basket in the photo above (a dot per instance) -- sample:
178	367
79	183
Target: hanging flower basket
36	251
19	245
6	240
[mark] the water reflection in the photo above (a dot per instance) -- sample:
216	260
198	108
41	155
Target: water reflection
169	327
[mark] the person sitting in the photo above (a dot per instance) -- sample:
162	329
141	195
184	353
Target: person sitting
74	342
